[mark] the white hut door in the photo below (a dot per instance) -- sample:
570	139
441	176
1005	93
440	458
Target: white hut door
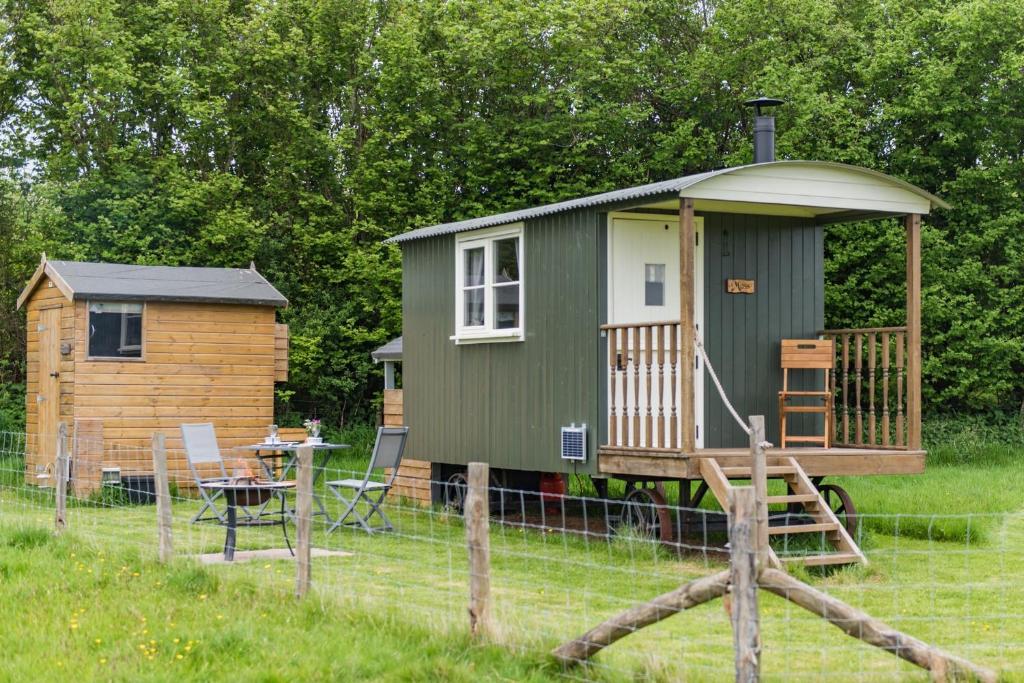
643	287
48	398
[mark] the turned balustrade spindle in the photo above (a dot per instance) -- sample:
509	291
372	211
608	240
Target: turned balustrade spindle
613	371
886	436
858	368
623	365
900	348
673	360
661	385
846	388
636	441
648	363
872	423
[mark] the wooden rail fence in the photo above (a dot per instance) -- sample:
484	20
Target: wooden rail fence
644	384
871	387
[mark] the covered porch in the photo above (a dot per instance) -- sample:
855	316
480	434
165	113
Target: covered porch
658	389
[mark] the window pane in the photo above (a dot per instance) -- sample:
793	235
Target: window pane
506	307
506	260
654	284
115	330
473	307
474	267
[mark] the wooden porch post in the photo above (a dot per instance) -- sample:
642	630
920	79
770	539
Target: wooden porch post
912	222
687	249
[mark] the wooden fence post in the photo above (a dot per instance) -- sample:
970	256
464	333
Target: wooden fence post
743	552
759	478
165	550
60	475
303	514
478	540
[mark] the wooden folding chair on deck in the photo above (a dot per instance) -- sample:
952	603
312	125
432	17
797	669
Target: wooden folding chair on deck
806	354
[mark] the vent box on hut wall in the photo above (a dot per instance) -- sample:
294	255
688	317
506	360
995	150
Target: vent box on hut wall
118	352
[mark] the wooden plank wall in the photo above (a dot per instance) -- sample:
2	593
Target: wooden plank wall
413	480
201	363
280	353
42	447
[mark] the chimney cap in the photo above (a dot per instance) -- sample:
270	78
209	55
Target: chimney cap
759	102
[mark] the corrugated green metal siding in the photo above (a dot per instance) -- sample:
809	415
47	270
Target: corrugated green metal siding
504	403
786	258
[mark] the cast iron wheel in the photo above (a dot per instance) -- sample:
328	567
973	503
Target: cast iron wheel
496	496
455	493
839	501
646	513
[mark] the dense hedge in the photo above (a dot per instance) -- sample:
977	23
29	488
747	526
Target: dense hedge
301	133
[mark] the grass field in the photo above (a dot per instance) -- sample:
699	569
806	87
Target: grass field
94	603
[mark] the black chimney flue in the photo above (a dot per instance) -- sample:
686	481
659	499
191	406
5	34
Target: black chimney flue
764	129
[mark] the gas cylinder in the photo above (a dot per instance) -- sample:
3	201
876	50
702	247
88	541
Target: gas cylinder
552	488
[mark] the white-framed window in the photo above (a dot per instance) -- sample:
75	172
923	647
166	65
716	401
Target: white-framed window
115	330
489	285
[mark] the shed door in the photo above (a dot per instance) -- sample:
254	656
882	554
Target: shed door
48	399
643	285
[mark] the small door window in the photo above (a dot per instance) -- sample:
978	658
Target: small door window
654	284
115	330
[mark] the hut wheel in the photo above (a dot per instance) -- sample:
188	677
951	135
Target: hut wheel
455	493
839	501
646	513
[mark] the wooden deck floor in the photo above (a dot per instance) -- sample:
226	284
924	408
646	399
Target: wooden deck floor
817	462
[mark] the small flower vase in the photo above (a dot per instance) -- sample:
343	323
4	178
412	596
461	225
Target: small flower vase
313	432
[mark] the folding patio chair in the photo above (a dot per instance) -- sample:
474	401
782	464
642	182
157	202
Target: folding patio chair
387	453
201	449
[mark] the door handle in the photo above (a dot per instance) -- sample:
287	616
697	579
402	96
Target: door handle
54	374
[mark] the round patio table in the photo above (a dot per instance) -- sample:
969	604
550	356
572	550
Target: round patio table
245	493
289	452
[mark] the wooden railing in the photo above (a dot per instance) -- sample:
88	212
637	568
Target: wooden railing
871	387
643	385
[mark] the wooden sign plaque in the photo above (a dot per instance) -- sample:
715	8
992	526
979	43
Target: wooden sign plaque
740	286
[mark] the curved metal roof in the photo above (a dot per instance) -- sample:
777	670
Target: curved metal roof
664	188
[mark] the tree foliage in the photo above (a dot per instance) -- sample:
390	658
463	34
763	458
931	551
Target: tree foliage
301	133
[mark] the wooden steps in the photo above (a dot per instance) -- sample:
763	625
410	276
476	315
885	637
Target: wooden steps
824	559
812	498
803	492
744	472
802	528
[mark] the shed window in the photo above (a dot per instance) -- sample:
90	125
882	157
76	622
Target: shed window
489	289
115	330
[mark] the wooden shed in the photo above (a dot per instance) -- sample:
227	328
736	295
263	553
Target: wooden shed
119	352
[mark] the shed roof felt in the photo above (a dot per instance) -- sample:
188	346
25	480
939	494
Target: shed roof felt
392	351
80	280
667	189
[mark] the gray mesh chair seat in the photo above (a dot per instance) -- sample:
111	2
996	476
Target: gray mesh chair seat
201	449
359	483
387	453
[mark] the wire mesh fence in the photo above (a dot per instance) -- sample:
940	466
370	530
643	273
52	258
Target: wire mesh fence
559	564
